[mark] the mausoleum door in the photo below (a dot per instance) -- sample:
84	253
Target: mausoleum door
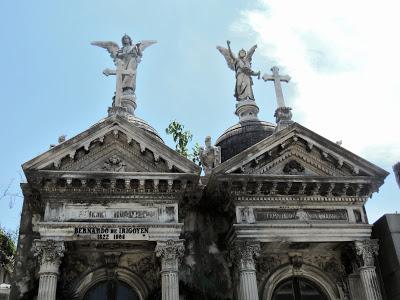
111	290
297	288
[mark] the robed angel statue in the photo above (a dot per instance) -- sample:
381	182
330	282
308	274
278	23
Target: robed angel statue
242	67
126	60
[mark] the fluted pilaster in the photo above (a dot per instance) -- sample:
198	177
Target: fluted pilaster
366	250
244	253
170	253
49	253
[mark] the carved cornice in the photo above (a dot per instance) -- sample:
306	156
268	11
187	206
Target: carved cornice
113	182
366	251
297	198
327	187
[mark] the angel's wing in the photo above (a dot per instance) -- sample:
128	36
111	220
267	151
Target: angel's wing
230	60
111	47
144	44
250	53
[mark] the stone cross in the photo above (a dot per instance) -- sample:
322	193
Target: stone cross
118	72
276	78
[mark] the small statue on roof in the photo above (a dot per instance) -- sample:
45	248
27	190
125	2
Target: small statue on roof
210	156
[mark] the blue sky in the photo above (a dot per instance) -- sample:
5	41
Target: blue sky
52	83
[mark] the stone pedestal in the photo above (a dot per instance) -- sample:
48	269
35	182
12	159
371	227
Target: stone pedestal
244	254
170	253
283	117
366	250
49	253
247	110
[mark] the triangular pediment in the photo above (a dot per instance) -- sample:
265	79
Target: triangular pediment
297	150
115	145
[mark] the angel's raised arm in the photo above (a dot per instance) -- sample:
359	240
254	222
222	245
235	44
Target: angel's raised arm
251	52
230	50
229	57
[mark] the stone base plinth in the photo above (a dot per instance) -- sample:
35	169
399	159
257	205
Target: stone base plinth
283	117
129	102
247	110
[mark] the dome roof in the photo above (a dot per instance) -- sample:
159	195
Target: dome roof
241	136
142	124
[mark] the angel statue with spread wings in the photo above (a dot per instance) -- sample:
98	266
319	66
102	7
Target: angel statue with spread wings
242	67
126	59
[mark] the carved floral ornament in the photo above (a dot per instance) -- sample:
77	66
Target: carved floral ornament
244	253
170	250
115	164
48	251
366	250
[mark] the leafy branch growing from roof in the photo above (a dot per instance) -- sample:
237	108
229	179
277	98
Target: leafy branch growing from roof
182	138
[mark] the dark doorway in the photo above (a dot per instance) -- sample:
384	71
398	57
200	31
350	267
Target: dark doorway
111	290
297	288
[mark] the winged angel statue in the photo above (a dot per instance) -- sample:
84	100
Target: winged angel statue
126	59
242	67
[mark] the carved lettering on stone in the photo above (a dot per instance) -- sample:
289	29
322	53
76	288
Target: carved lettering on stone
273	214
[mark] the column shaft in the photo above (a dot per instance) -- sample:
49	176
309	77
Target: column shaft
170	285
170	252
248	285
49	253
47	287
370	283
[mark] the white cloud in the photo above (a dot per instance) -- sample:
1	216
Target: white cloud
343	57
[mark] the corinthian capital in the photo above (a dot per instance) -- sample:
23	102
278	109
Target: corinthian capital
170	252
49	253
366	250
244	254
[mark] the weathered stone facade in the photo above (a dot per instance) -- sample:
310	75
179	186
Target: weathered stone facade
114	209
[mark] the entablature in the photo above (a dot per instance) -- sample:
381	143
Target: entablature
116	183
242	187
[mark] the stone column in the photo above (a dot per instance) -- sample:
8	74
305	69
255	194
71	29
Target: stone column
49	253
366	250
170	253
244	253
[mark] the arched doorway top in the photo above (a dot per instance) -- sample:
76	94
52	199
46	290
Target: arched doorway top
103	274
308	272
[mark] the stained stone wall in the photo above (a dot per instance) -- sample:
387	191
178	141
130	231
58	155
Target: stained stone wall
387	230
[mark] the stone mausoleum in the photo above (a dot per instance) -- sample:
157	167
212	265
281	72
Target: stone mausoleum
277	214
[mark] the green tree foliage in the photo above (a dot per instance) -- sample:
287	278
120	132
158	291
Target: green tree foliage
182	138
7	249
